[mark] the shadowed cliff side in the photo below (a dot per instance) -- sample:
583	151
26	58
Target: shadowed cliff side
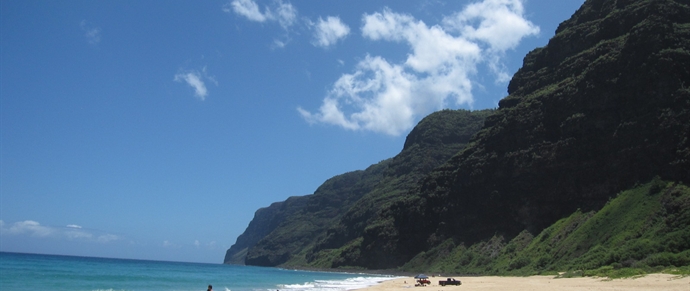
603	106
264	222
287	232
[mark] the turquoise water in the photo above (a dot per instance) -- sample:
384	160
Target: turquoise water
56	273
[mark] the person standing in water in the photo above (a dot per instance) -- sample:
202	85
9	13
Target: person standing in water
210	288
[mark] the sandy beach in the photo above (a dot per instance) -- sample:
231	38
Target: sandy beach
546	283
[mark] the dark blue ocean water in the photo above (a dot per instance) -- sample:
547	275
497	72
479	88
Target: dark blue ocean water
57	273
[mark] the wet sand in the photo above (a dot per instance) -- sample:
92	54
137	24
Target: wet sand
652	282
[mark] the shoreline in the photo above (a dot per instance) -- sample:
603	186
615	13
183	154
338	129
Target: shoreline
655	282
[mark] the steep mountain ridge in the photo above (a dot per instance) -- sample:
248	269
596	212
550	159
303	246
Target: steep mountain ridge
604	106
264	222
286	232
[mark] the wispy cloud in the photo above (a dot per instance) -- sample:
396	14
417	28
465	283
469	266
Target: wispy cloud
171	245
195	79
281	12
212	245
388	98
107	238
246	8
328	32
29	227
71	232
92	33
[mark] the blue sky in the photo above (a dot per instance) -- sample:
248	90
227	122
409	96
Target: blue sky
155	129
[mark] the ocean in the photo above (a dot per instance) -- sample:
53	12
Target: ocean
57	273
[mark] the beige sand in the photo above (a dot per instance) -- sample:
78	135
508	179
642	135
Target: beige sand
538	283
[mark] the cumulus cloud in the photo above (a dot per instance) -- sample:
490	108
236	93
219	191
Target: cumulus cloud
379	93
328	32
388	98
501	27
70	232
92	33
283	13
501	23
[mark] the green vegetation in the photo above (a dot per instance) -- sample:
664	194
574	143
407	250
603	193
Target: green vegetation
642	230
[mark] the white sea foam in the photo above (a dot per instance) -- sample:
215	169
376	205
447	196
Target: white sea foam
336	285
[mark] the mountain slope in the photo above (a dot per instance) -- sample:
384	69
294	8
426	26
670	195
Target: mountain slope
603	106
265	221
645	227
287	232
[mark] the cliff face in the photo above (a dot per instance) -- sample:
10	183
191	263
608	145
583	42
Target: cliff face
604	106
265	221
294	232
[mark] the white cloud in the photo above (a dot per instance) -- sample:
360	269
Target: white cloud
193	79
92	34
28	227
379	93
501	23
279	43
443	60
70	232
328	32
246	8
283	13
501	27
78	234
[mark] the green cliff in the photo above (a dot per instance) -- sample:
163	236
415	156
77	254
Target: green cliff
603	108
